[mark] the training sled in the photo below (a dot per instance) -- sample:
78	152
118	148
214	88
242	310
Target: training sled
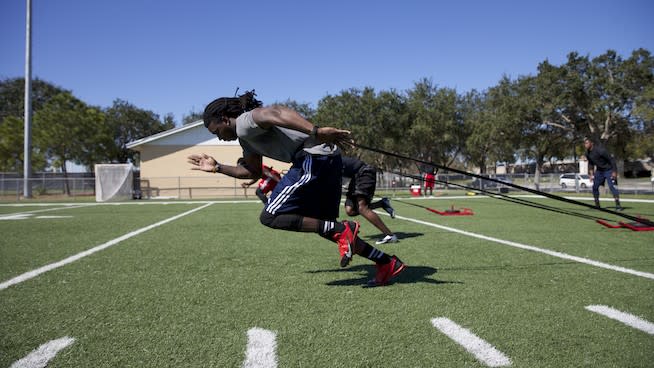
635	226
453	212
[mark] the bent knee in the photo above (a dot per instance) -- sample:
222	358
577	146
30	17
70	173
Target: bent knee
351	211
267	218
289	222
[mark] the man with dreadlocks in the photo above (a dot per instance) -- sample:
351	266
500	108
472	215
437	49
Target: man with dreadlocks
308	197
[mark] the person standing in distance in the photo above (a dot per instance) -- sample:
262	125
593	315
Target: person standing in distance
307	198
430	180
603	168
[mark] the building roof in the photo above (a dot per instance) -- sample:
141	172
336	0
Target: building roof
193	134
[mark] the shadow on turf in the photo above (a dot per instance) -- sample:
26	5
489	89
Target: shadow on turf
411	275
400	235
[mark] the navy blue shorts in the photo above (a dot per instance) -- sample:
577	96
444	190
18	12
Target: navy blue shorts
310	188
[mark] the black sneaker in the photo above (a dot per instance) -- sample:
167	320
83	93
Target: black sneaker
386	203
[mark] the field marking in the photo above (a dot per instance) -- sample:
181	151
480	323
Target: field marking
261	349
626	318
31	274
532	248
482	350
20	216
26	214
199	201
131	203
40	356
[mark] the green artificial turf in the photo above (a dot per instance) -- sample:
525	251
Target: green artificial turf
184	294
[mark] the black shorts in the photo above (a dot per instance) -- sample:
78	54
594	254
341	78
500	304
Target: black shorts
363	184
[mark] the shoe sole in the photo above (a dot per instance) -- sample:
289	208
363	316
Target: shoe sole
398	271
345	260
386	242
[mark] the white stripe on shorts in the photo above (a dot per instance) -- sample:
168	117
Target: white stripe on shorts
289	190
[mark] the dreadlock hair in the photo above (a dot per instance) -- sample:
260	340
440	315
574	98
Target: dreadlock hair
230	107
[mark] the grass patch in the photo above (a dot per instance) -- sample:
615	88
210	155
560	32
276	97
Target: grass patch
185	293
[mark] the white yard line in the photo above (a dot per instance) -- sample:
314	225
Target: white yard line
626	318
40	356
25	214
482	350
131	203
534	249
71	259
261	349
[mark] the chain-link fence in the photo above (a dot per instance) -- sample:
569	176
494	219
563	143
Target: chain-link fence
56	185
553	182
47	184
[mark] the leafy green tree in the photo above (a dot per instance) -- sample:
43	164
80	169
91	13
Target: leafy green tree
168	121
65	130
435	133
192	117
353	110
392	122
12	96
480	134
492	125
532	108
12	113
127	123
599	96
11	147
375	120
303	109
642	143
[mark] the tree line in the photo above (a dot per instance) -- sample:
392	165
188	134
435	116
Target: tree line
66	129
534	118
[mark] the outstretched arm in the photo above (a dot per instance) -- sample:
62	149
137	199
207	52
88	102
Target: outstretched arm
281	116
207	163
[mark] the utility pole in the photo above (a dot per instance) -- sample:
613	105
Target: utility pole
27	148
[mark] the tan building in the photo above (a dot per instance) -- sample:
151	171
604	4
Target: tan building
165	172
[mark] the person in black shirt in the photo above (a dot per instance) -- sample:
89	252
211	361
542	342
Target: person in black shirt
603	169
358	199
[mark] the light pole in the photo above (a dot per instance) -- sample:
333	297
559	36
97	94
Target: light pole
27	146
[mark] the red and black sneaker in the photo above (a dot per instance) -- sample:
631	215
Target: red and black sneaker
386	271
345	239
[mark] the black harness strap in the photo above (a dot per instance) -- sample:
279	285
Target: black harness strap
529	190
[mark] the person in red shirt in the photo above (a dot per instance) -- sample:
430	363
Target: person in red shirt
430	179
268	182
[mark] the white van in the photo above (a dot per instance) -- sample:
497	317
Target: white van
568	180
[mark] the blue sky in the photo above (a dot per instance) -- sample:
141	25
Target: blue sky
176	56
